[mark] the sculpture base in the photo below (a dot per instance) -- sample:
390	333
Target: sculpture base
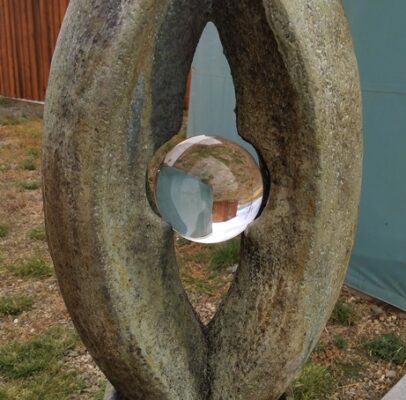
111	394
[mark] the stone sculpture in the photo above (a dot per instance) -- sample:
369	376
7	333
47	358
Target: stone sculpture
115	95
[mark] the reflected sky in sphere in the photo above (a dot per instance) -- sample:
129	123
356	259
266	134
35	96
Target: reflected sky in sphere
208	189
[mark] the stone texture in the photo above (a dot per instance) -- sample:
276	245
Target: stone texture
115	95
398	392
111	393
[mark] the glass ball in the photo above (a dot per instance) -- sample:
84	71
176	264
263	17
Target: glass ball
208	188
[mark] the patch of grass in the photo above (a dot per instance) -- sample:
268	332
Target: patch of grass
101	392
181	241
320	347
34	268
203	285
340	342
24	359
4	395
15	305
347	371
314	383
29	185
388	347
53	384
4	168
37	233
196	256
28	164
210	262
33	152
199	256
19	138
4	230
225	254
33	370
344	314
11	120
5	102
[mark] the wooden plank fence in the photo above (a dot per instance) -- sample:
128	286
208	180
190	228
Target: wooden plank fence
28	33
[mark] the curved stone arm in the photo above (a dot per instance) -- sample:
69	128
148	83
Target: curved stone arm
298	103
114	97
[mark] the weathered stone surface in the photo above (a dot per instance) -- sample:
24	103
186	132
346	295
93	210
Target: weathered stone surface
115	95
398	392
111	393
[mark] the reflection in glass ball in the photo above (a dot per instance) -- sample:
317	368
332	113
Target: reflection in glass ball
208	189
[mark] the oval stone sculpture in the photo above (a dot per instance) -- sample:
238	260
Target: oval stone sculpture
115	96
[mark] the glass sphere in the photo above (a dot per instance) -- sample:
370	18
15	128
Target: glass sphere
208	189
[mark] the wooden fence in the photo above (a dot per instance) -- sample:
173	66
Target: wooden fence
28	33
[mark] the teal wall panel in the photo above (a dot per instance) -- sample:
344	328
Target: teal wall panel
378	263
212	95
379	32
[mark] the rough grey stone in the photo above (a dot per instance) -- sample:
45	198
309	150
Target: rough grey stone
111	393
114	96
398	392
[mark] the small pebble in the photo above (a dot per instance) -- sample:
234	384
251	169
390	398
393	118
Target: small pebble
391	374
376	310
233	268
